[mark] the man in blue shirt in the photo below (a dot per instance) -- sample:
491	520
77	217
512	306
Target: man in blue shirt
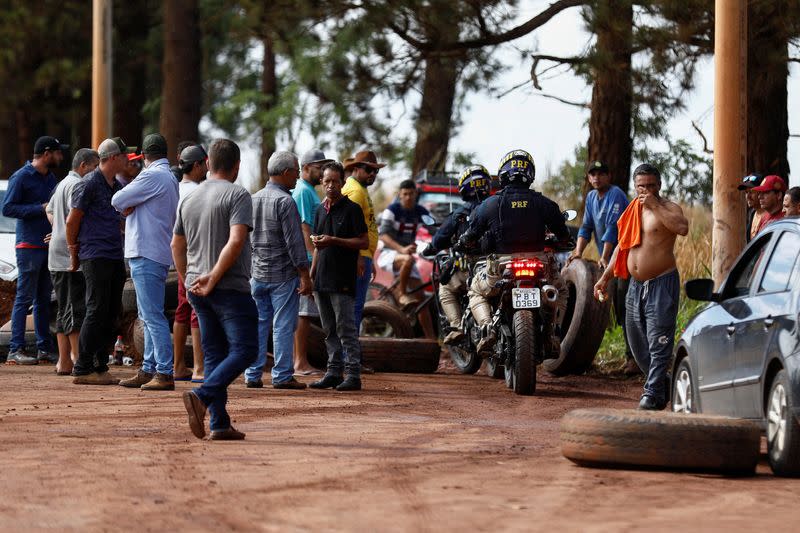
149	204
94	240
604	205
305	196
29	190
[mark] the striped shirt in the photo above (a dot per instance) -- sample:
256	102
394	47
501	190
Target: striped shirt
278	245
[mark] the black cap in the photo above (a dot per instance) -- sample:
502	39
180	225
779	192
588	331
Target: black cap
48	143
748	182
597	166
154	144
192	154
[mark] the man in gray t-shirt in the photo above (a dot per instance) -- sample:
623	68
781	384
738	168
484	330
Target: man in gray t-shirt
70	287
211	250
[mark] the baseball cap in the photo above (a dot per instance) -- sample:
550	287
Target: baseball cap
194	153
135	157
750	181
596	166
48	143
771	183
114	146
154	144
314	155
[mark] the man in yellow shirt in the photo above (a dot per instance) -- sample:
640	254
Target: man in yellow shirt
363	169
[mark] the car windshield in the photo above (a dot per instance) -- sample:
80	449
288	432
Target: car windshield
7	225
440	204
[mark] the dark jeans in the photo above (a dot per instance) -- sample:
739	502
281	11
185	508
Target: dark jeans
652	308
105	279
70	289
229	332
341	336
33	287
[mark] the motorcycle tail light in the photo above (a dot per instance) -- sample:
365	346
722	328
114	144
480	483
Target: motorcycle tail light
526	268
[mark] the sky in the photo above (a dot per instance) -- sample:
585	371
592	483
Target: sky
548	129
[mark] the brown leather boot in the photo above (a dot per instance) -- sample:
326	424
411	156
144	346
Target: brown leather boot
136	381
160	382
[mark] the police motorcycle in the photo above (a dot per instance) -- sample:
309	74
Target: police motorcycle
517	294
527	301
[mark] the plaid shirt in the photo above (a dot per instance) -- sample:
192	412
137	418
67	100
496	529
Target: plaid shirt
278	245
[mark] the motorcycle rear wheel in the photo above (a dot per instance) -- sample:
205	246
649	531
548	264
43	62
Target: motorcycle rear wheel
524	368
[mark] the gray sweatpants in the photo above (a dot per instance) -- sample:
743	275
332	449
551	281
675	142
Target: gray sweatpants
651	311
337	314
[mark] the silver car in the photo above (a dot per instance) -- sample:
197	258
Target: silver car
740	356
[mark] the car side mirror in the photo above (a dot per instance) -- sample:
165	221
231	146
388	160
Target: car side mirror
428	220
570	214
702	290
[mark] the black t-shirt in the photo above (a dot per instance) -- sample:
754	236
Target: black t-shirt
336	265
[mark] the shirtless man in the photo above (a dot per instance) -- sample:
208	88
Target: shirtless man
652	300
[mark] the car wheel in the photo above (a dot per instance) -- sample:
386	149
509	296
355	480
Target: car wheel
683	389
783	432
617	437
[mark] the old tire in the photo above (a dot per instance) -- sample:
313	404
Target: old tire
382	319
783	432
170	294
583	324
663	440
315	347
523	375
417	356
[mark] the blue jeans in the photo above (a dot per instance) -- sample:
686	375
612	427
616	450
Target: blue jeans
277	305
228	324
149	280
362	286
33	287
651	309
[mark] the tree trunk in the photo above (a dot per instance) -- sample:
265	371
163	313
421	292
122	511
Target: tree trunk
269	90
435	115
9	160
24	140
130	72
610	139
181	97
767	95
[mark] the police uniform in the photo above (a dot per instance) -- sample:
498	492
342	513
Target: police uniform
513	221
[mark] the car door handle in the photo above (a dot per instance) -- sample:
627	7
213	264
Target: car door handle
731	330
768	322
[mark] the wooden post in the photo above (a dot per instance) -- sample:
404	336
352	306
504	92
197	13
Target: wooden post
730	133
101	71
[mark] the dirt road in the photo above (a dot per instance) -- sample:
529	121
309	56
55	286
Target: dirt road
410	453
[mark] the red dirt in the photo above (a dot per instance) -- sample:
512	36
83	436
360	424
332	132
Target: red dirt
410	453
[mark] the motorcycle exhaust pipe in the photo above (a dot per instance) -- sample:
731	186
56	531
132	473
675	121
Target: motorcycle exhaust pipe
550	294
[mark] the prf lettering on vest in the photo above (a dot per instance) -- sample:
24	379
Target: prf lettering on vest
520	204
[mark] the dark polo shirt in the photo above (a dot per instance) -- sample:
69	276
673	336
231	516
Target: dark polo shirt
100	236
336	265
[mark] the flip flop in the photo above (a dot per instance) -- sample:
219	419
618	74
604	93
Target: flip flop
187	377
309	373
198	380
63	373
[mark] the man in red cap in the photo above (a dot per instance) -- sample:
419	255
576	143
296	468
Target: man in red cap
770	196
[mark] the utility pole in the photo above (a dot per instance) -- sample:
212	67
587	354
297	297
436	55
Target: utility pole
101	71
730	133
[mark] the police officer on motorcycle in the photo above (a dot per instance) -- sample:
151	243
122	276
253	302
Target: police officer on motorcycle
474	186
513	221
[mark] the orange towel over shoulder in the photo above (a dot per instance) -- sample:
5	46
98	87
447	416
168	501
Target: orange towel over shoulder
629	228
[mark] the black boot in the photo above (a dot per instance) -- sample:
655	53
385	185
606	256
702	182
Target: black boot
328	381
350	384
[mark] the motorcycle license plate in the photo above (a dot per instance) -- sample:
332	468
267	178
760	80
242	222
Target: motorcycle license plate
525	298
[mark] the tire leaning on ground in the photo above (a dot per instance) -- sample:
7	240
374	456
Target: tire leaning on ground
416	356
494	369
663	440
783	432
466	361
584	322
382	319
